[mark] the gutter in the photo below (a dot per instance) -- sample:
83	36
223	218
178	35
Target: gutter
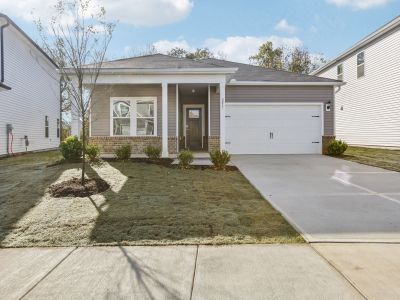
278	83
169	71
2	85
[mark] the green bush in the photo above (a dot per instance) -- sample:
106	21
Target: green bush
337	147
71	148
220	159
123	152
185	158
152	152
92	152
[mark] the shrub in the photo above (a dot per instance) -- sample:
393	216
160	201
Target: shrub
152	152
123	152
93	152
337	147
185	158
220	159
71	148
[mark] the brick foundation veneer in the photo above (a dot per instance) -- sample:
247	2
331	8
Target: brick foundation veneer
108	144
213	143
326	139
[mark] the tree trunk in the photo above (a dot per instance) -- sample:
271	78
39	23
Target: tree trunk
83	149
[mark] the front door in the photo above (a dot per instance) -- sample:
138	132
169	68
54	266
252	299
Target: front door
194	129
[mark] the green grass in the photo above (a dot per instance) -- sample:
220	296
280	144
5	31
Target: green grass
146	205
382	158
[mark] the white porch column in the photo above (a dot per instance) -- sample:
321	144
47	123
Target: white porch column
75	122
222	115
164	115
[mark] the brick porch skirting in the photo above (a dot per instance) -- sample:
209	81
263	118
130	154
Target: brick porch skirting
213	143
326	139
108	144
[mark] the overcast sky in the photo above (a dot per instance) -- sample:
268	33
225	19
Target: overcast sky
233	27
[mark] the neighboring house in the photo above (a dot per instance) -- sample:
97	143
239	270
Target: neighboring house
178	103
368	105
29	93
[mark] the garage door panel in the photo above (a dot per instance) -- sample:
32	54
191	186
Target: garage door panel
296	129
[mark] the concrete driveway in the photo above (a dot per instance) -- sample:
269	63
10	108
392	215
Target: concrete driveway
328	199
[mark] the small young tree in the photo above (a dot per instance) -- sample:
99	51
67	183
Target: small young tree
77	37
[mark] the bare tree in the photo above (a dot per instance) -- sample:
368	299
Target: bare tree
77	37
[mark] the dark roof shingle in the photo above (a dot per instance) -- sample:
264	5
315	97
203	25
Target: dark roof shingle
245	72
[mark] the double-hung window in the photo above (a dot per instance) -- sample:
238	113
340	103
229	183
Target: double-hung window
134	116
360	64
46	126
58	128
340	72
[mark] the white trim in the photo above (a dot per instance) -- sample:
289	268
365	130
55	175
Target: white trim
169	71
186	106
320	104
177	116
133	115
275	103
365	41
277	83
209	111
157	79
222	116
164	114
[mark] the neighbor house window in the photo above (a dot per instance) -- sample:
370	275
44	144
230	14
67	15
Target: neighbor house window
58	128
360	65
46	126
340	72
134	116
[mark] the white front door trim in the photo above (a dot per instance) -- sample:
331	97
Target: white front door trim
201	106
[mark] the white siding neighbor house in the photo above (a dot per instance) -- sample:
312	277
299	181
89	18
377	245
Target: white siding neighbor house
29	93
368	105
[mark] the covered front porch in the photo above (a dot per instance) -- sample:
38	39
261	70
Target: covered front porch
186	114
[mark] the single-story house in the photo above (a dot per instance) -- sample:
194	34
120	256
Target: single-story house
202	105
30	113
368	105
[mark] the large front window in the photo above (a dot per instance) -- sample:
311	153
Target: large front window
134	116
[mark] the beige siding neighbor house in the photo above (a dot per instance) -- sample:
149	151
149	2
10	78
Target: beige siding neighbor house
202	105
367	109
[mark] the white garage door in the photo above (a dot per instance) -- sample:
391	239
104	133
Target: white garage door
273	128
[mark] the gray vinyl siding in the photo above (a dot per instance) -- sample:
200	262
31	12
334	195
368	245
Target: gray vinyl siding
285	94
100	116
172	110
214	112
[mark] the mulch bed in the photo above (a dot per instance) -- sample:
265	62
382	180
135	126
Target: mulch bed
167	162
73	188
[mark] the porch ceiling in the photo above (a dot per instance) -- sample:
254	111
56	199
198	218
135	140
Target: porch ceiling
200	90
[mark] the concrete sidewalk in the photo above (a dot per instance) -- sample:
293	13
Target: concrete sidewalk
176	272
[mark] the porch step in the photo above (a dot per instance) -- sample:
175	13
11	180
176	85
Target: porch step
197	162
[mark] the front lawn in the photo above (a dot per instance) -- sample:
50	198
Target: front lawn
382	158
146	205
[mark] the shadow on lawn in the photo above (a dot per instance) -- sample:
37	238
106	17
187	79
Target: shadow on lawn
23	181
159	205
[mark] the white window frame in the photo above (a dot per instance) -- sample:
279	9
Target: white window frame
341	74
359	65
133	120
